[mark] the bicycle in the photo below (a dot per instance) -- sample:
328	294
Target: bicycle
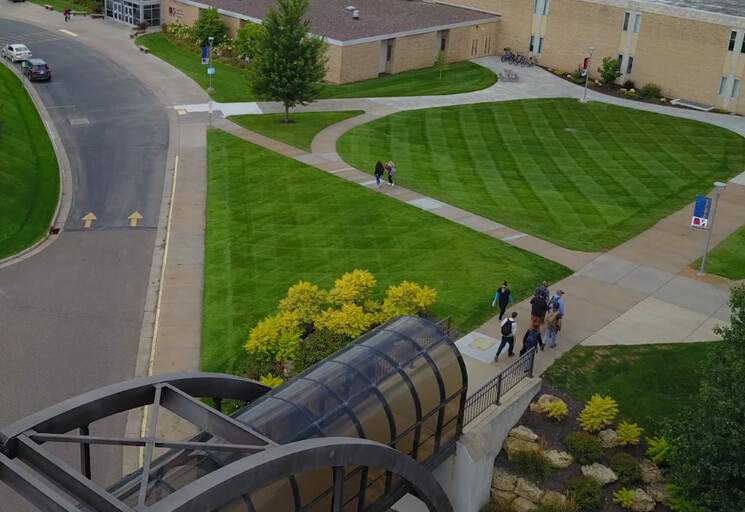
532	61
507	55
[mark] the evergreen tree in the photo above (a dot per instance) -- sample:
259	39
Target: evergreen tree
289	63
708	462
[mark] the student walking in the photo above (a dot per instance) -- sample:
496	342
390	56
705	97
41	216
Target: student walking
558	299
531	340
67	14
553	324
379	171
538	309
503	297
542	289
509	331
392	171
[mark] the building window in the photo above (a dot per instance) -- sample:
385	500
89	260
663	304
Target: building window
536	6
637	23
742	48
626	21
540	46
630	65
732	37
722	85
545	7
532	43
388	52
620	61
736	88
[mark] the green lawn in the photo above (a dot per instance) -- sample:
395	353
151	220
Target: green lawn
272	221
586	177
61	5
232	84
649	382
29	174
300	132
728	258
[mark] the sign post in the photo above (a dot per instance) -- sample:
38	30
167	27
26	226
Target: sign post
205	55
210	69
587	64
701	212
719	186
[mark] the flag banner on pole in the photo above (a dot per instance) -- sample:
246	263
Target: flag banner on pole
701	212
205	55
585	65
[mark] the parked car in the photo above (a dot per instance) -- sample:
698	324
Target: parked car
36	69
16	52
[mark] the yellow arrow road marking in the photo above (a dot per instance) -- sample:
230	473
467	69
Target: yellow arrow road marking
89	219
73	34
134	218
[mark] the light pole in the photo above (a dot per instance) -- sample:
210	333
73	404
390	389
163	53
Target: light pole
587	75
718	186
211	40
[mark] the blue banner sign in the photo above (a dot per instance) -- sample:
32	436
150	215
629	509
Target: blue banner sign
701	212
205	55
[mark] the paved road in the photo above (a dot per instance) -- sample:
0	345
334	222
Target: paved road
71	315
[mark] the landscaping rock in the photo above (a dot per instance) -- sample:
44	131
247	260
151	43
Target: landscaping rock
513	445
643	502
608	438
542	403
523	505
602	474
659	492
528	490
553	498
650	472
503	481
559	460
523	433
503	498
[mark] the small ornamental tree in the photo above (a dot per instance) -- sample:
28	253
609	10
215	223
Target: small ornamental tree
610	71
247	41
355	287
441	62
210	24
289	63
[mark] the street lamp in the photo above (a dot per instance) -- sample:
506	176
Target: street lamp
587	75
211	40
719	187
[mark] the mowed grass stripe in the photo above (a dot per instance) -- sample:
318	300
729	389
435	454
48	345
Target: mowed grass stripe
615	173
272	221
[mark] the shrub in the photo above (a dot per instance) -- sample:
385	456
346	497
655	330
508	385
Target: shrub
180	31
305	300
143	25
626	467
355	287
586	491
584	447
624	497
650	91
557	410
569	506
678	502
318	346
246	41
559	72
351	320
533	465
271	380
659	449
629	433
210	24
407	299
610	70
628	84
598	413
578	75
276	338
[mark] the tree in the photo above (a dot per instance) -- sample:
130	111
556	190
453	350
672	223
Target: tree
289	63
441	62
210	24
610	70
707	463
247	40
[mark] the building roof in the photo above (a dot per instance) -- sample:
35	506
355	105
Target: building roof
377	18
731	7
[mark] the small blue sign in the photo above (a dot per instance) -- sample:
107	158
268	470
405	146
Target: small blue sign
205	55
701	212
210	71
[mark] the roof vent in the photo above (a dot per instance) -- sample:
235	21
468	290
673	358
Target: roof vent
356	14
350	8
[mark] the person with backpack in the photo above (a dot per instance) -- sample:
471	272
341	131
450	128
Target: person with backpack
538	309
553	324
531	340
379	171
558	299
509	331
503	297
542	289
392	171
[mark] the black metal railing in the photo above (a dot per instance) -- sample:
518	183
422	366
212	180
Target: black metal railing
444	325
492	391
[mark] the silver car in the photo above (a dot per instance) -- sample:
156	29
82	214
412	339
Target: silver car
16	52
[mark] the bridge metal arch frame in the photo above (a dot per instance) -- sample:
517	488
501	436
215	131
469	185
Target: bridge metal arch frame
235	480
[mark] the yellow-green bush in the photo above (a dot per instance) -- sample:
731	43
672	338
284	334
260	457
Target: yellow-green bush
407	299
351	320
659	449
276	338
599	412
271	380
355	287
304	300
629	433
557	410
624	497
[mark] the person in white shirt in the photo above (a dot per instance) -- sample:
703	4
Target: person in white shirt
508	325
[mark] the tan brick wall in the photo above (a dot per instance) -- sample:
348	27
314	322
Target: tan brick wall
359	62
413	52
172	11
684	57
473	42
333	65
233	25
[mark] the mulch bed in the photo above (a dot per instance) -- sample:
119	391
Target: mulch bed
554	433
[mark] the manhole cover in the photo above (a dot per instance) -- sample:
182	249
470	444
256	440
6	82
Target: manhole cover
571	130
481	344
79	120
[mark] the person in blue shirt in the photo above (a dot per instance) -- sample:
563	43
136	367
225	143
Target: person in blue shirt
503	297
559	299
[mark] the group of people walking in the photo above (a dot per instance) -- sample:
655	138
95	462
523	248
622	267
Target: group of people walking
544	309
380	170
67	14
